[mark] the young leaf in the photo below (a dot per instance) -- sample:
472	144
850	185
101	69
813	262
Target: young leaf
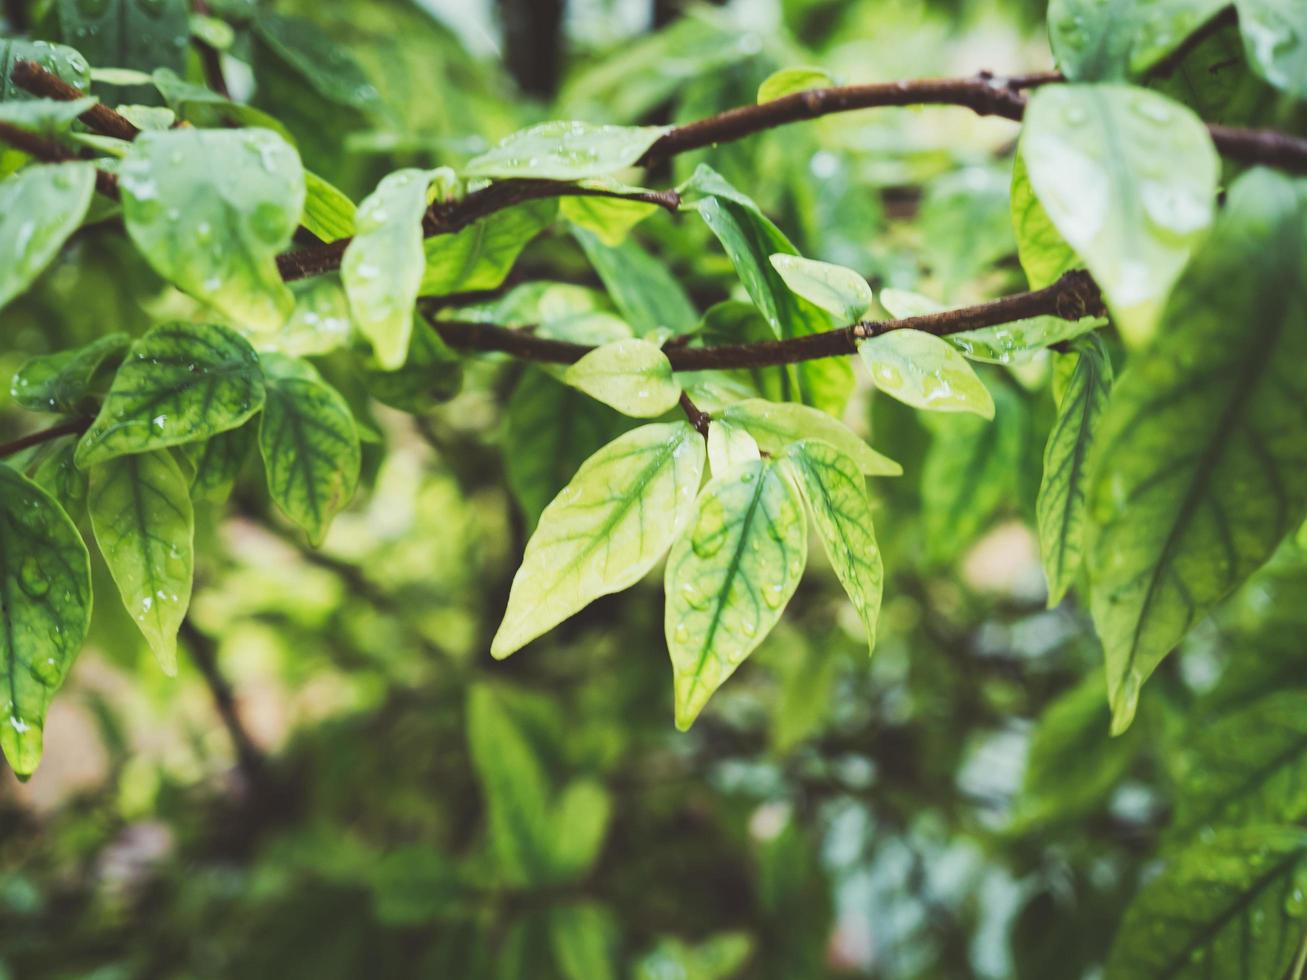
633	376
45	582
777	424
836	492
309	445
382	266
142	34
1230	907
1117	39
1060	507
328	212
610	219
729	577
1202	470
140	509
211	209
40	207
217	462
565	151
605	530
1275	39
481	255
180	382
729	447
921	370
1128	178
787	81
60	382
646	295
841	292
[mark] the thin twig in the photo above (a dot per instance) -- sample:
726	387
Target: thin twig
73	427
249	757
697	416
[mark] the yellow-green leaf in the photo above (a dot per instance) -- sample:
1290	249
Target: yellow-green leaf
787	81
921	370
565	151
777	424
839	291
633	376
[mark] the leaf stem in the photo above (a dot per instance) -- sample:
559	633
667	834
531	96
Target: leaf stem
69	428
697	416
46	84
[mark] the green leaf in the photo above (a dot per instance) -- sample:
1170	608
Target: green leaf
1128	177
565	151
207	109
140	509
316	58
382	266
580	818
1060	508
1043	252
61	382
729	577
1275	39
181	382
921	370
45	585
1202	469
217	461
59	476
841	292
778	424
64	61
1230	907
431	374
481	255
787	81
647	296
605	530
633	376
610	219
729	447
40	206
583	936
328	211
309	445
1116	39
140	34
48	117
211	209
319	324
717	958
836	492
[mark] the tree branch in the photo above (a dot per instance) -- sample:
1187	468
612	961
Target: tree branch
73	427
48	85
48	151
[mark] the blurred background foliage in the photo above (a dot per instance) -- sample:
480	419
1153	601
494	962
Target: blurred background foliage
341	783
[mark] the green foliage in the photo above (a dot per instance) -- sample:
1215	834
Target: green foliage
63	382
923	371
1121	39
633	376
565	151
139	34
39	209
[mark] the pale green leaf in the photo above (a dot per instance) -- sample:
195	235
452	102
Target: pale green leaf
140	34
383	264
787	81
60	59
1275	39
319	324
605	530
565	151
921	370
1096	40
140	510
1061	508
309	445
211	209
729	447
632	376
729	577
481	255
1043	252
583	937
328	211
61	382
1200	469
45	585
836	492
181	382
610	219
1128	177
841	292
647	296
40	206
777	424
48	117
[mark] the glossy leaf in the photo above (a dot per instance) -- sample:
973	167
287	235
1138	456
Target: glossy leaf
646	295
1061	506
836	492
319	324
1116	39
40	207
1128	177
787	81
1275	39
60	382
309	445
45	580
1202	470
58	475
841	292
382	266
140	508
729	577
211	209
181	382
565	151
633	376
921	370
140	34
778	424
60	59
605	530
481	255
729	447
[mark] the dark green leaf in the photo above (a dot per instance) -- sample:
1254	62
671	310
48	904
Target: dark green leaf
61	382
140	34
644	292
217	462
1116	39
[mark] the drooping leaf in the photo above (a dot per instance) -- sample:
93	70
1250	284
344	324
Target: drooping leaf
309	444
1061	507
45	581
1118	39
481	255
644	292
382	266
778	424
328	212
836	492
1128	177
1275	39
217	462
210	210
140	508
841	292
139	34
60	382
48	117
633	376
787	81
605	530
1229	907
729	577
40	207
1202	470
729	447
922	370
181	382
565	151
60	59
